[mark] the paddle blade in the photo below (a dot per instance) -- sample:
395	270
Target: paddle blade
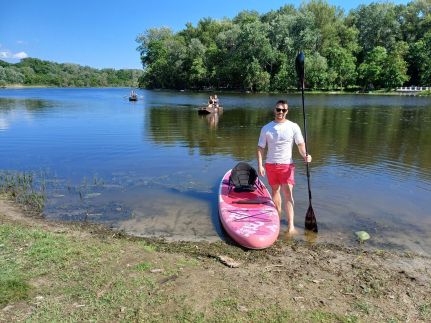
299	65
310	220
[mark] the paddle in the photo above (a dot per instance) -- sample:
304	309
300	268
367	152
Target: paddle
310	218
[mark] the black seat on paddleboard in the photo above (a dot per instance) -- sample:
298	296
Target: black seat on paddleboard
243	178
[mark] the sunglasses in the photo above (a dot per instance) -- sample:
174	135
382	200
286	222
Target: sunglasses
280	110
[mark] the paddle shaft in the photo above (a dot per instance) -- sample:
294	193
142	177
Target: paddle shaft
305	136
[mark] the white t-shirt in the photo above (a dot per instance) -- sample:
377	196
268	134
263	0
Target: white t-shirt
279	136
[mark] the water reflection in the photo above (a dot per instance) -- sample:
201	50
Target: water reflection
29	104
213	119
369	137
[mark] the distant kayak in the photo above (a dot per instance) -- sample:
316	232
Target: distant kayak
249	218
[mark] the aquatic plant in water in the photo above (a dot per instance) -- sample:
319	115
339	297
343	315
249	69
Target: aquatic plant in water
24	189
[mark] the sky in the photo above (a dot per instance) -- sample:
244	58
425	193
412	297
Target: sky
101	34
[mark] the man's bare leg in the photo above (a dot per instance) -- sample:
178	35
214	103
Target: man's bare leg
289	204
276	197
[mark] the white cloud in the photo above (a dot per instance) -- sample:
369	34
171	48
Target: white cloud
20	55
8	54
4	54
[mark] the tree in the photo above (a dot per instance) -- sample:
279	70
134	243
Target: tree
342	66
194	63
395	67
162	56
371	70
285	78
377	24
316	68
420	61
256	79
415	20
257	52
326	20
198	73
149	41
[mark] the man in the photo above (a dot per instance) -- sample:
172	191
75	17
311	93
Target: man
278	136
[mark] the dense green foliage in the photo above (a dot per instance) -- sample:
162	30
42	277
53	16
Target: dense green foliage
32	71
380	45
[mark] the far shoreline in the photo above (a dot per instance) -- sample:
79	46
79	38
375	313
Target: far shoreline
290	91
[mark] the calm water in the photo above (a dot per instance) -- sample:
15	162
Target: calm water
153	167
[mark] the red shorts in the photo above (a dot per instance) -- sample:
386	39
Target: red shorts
280	174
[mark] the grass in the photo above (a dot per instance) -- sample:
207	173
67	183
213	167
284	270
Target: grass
13	288
364	307
51	274
81	279
24	189
145	266
75	277
425	311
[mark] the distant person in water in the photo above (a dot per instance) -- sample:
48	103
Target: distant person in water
215	101
278	137
210	101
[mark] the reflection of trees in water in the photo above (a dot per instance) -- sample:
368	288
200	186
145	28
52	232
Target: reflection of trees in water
357	136
232	136
29	104
362	136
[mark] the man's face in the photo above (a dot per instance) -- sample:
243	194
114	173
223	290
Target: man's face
280	111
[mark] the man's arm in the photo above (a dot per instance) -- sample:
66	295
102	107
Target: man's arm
301	149
260	152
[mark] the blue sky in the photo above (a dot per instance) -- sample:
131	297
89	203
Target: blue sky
102	34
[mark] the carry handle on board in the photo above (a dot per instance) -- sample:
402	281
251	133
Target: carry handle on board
250	202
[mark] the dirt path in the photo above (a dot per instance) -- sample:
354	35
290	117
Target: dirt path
289	281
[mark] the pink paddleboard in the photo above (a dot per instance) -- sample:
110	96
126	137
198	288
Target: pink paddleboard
250	218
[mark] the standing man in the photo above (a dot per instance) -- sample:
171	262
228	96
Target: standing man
278	136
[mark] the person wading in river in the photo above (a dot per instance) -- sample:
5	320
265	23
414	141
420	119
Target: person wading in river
278	136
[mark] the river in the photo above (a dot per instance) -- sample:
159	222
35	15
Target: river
152	167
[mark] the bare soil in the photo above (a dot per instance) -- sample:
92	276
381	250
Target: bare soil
351	284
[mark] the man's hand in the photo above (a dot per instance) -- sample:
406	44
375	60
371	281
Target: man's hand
261	171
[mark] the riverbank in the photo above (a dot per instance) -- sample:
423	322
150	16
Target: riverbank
21	86
331	92
53	271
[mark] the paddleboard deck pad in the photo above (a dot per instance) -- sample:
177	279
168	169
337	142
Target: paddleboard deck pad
249	218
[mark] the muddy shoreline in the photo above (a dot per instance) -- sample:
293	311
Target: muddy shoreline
300	281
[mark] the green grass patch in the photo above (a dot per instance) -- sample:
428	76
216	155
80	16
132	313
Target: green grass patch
13	289
425	311
147	247
364	307
145	266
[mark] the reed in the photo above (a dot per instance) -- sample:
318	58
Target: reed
24	189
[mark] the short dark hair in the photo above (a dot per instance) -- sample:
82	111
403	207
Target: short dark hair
281	102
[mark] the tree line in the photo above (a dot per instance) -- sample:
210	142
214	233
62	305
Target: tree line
375	46
33	71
